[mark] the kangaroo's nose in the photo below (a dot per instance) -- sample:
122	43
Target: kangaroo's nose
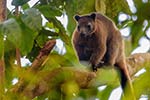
82	34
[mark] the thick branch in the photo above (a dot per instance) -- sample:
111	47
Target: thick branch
137	61
54	79
48	81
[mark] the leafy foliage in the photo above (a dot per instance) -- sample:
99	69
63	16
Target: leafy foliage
19	2
12	35
27	33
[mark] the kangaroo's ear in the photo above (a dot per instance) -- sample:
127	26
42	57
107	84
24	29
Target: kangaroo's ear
77	17
93	16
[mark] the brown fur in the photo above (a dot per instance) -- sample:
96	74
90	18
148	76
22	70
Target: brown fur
102	44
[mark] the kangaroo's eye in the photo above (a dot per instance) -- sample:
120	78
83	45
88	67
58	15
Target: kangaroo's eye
89	26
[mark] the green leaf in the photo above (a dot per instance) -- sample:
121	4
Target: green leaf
115	7
128	47
27	39
34	52
25	6
21	39
41	39
59	4
85	8
103	76
19	2
13	31
141	84
32	18
105	94
100	6
51	26
49	11
62	32
48	32
137	33
55	61
1	42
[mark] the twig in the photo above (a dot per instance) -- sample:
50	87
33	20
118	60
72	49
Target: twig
44	52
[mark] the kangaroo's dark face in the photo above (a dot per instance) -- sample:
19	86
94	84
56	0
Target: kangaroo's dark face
86	24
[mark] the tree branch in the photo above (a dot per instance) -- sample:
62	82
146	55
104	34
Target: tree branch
137	61
44	52
47	81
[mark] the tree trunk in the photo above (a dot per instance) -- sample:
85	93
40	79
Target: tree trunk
3	10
